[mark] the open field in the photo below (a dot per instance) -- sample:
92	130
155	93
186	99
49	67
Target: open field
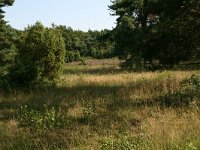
99	106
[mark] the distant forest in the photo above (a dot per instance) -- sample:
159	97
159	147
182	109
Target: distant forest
150	34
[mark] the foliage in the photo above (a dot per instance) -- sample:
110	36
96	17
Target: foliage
41	121
194	81
163	31
7	41
96	44
41	56
188	95
72	56
123	143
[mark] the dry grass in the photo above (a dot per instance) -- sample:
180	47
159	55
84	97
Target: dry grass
104	107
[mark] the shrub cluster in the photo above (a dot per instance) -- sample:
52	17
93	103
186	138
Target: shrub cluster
40	58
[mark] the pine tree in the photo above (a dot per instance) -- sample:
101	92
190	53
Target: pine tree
7	48
161	32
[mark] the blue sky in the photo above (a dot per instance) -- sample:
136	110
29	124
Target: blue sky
78	14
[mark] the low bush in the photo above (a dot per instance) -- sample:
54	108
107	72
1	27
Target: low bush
42	121
189	94
122	143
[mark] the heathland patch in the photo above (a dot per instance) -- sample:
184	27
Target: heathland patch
100	106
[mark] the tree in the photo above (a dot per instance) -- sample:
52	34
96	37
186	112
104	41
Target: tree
7	39
176	37
161	31
41	56
132	23
96	44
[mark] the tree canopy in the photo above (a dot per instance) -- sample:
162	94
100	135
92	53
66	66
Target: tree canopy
161	32
40	57
7	40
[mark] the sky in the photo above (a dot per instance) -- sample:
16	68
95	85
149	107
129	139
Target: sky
78	14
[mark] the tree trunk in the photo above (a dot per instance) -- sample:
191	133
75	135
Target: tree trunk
145	13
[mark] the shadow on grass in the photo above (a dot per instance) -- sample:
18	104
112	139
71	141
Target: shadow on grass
176	100
112	98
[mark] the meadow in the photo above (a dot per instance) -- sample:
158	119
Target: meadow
101	106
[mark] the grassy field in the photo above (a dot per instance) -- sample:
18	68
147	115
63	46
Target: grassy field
99	106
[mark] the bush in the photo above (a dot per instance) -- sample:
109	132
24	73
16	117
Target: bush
41	56
195	82
188	95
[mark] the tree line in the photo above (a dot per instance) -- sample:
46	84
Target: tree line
149	34
37	54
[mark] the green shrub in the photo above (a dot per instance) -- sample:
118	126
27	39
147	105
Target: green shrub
195	82
192	85
122	143
41	56
42	120
189	94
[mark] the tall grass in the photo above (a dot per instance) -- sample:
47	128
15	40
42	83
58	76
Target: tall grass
99	106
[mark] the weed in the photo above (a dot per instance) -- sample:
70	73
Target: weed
41	121
124	142
88	113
